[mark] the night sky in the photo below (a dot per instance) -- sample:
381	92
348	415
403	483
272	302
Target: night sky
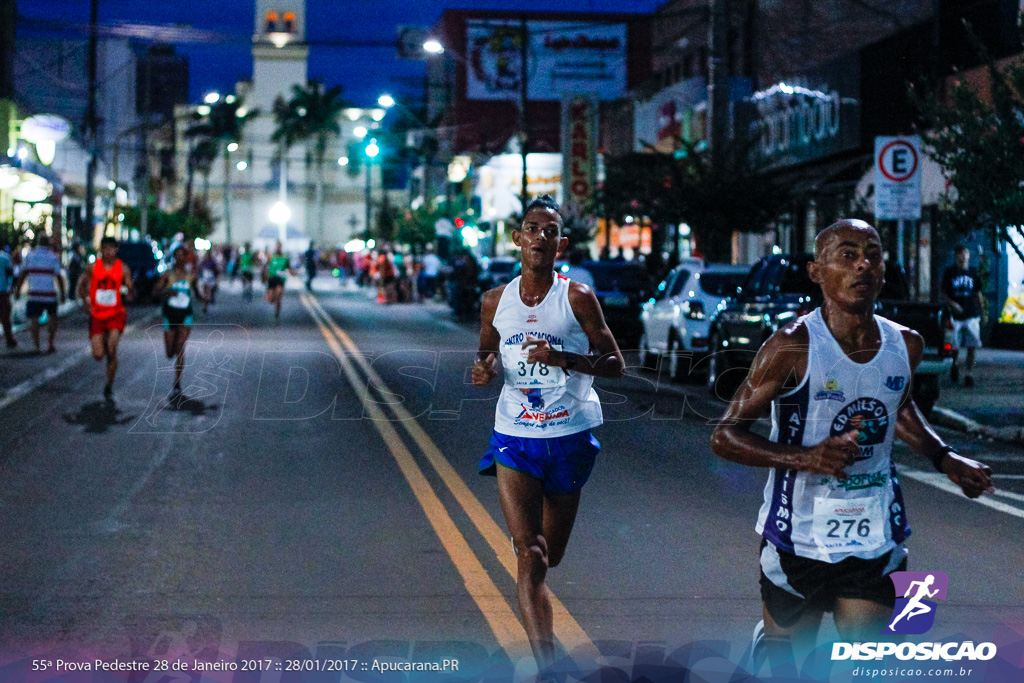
219	49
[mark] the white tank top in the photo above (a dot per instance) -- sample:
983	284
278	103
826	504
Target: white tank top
818	516
537	400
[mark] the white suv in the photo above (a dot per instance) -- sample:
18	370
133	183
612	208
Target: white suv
678	318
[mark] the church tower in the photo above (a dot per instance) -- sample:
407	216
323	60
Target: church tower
279	51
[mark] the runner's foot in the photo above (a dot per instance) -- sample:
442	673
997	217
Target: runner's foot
108	392
52	349
757	647
954	374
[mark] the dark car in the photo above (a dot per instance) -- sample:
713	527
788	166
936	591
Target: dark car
144	260
778	290
621	288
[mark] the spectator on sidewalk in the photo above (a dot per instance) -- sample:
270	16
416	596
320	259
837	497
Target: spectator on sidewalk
427	279
961	293
45	286
6	280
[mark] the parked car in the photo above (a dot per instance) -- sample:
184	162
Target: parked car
678	317
778	290
145	259
621	289
498	271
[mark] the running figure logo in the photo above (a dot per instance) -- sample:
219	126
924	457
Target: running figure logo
914	613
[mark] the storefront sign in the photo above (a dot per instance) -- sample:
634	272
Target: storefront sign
563	58
500	179
814	117
45	128
579	150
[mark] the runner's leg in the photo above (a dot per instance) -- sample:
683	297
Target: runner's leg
860	620
113	338
784	645
183	333
51	329
33	327
522	501
559	518
96	343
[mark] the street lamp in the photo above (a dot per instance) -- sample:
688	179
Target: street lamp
212	98
433	47
281	214
372	150
386	101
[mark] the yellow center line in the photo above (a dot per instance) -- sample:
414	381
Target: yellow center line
567	629
485	593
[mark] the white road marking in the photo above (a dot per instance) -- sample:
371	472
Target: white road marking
942	482
33	383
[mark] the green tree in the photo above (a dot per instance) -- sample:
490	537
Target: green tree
311	115
979	142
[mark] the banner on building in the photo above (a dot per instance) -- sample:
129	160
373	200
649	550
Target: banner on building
562	58
579	152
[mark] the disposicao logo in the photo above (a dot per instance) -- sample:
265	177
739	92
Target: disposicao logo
914	614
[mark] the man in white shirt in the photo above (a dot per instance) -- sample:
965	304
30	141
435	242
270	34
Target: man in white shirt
45	287
427	285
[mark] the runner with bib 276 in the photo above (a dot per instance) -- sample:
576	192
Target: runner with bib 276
838	383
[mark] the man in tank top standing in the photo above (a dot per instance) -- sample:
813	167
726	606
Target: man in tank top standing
552	340
100	290
838	383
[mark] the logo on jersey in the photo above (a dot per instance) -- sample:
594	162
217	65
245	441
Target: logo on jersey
539	418
858	482
831	392
532	318
871	420
895	382
914	612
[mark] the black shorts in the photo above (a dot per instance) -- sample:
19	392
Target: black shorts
275	282
34	309
820	584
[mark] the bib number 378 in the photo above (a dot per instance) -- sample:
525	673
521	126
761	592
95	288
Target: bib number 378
843	525
527	375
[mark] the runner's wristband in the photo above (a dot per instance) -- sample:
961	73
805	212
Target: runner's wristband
937	459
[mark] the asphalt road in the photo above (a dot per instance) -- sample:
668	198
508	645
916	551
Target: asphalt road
315	500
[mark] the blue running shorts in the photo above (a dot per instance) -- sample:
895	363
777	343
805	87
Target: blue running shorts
563	463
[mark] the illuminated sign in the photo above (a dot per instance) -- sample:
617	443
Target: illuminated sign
562	58
579	150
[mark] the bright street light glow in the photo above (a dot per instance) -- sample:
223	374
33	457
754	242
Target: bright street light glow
386	100
212	98
370	244
354	245
232	146
22	153
342	161
241	111
111	186
201	244
241	165
280	213
372	149
203	110
378	114
230	99
359	132
433	47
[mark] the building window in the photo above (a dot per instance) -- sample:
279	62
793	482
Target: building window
289	22
271	22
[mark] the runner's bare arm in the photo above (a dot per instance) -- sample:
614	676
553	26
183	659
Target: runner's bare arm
484	366
83	286
973	477
784	355
194	284
604	359
126	280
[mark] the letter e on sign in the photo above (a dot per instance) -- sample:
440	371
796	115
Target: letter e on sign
898	178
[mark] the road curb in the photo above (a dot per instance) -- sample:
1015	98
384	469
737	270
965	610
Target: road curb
954	420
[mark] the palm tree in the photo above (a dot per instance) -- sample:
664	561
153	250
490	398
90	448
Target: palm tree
212	134
310	115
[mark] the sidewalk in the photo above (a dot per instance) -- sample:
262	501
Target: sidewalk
995	406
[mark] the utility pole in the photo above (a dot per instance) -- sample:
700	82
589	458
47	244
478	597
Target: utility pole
142	172
718	81
524	122
91	124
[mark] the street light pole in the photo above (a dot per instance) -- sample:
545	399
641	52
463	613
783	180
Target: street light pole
372	150
524	122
